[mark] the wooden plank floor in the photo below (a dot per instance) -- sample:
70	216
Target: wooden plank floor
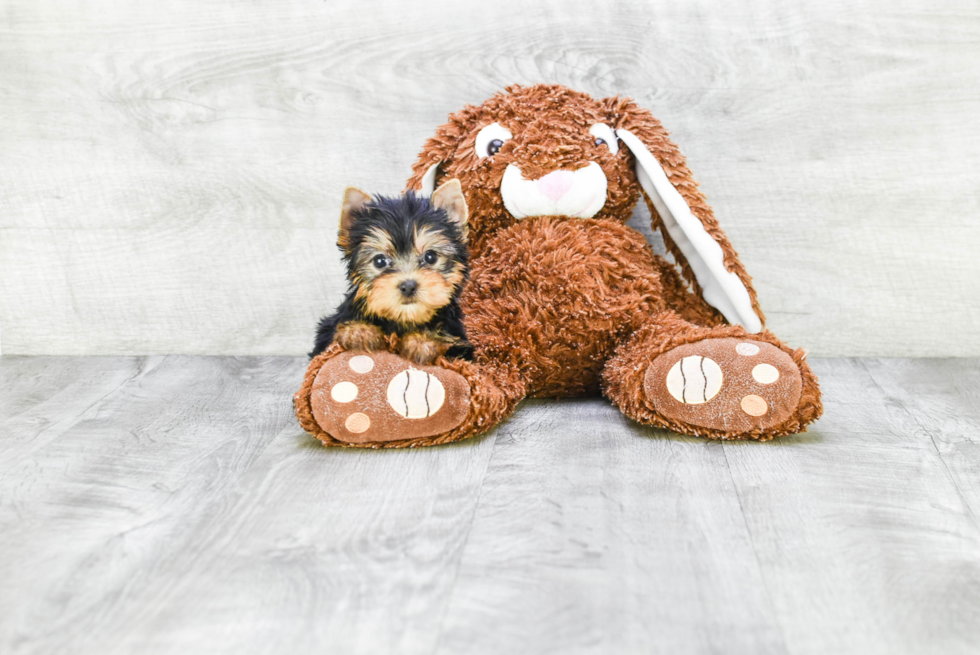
173	505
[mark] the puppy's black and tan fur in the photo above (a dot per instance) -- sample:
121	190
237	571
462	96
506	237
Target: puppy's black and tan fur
406	262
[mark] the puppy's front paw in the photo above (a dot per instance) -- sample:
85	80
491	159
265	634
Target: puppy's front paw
361	336
424	347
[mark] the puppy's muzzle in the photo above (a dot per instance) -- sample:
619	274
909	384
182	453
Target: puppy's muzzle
408	288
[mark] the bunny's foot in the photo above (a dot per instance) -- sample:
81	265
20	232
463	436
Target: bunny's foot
381	400
718	382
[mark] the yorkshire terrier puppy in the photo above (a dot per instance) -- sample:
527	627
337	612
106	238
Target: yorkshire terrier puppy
406	262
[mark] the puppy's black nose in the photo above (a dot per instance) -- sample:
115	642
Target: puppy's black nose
408	288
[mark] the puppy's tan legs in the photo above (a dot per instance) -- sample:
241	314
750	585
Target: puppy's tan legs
361	336
424	347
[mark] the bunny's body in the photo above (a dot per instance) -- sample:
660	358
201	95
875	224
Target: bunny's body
565	299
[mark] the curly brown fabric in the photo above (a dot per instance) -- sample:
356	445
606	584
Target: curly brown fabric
560	306
623	379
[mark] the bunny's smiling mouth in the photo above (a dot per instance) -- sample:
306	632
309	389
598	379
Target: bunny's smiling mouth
580	193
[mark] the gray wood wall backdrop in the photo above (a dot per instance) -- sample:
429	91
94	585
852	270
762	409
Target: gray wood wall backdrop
170	172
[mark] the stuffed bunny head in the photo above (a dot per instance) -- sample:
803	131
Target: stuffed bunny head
533	151
546	150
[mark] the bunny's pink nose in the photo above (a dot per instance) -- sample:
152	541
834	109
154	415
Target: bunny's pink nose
556	184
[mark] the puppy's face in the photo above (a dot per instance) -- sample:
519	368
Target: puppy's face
406	275
406	257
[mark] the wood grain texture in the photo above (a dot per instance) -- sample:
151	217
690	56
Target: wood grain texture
91	516
853	538
171	171
607	538
172	505
865	540
184	511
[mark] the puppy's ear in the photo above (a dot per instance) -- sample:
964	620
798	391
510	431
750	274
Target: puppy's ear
449	197
354	199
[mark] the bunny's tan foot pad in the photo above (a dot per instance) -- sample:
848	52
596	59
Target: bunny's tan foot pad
729	385
377	397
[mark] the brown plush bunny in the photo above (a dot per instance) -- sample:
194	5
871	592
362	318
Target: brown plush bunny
565	300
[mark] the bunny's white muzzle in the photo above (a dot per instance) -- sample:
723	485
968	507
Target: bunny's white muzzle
578	194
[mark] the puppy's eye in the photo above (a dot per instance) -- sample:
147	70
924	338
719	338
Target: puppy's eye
430	257
491	139
604	136
380	261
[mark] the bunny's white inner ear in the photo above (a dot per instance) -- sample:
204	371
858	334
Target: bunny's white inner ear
429	180
721	288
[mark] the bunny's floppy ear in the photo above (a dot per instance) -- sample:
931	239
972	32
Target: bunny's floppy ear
680	212
438	149
428	183
425	170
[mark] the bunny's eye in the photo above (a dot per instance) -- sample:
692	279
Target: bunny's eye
604	136
491	139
